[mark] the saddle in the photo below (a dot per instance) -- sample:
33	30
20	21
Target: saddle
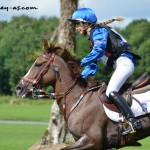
126	91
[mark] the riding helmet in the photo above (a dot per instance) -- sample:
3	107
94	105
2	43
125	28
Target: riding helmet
83	15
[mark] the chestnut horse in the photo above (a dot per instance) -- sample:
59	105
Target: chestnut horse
81	105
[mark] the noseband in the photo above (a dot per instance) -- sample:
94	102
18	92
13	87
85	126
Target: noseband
36	80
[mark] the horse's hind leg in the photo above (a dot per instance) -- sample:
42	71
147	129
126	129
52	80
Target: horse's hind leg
84	143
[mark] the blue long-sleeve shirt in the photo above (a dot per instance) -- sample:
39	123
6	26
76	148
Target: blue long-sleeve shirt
99	37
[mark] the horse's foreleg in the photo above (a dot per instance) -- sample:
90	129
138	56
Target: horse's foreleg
84	143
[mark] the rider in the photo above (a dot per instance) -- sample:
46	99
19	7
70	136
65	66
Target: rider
124	63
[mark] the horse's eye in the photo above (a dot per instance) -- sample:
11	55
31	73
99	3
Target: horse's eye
38	64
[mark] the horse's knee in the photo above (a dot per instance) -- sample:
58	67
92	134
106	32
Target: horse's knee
82	144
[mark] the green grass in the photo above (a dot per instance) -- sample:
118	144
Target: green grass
25	112
145	145
19	137
12	108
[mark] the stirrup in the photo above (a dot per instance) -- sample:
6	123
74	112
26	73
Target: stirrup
131	131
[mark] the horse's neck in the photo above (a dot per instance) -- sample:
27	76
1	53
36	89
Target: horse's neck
68	87
66	84
63	82
69	97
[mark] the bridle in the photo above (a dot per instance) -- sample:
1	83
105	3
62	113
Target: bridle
35	82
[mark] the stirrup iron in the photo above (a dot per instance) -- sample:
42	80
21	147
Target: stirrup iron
126	127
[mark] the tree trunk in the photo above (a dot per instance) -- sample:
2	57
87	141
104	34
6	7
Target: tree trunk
66	29
65	36
65	33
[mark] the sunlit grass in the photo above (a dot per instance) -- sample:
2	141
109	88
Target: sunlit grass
25	112
22	136
12	108
145	145
19	137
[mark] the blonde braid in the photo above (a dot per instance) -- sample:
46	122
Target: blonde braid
112	20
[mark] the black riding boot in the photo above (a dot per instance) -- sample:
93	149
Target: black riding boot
122	105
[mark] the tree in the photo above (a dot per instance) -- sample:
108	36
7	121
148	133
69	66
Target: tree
21	40
138	35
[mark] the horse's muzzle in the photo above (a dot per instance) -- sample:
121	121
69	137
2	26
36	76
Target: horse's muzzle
23	92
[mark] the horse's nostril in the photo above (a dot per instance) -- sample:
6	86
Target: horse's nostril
18	88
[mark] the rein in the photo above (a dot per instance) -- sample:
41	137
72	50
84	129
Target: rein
56	95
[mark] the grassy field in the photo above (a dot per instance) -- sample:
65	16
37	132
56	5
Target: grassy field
23	136
24	112
12	108
145	145
19	137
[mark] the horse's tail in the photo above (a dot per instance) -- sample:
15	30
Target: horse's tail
112	20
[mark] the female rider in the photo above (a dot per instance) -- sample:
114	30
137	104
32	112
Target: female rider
123	62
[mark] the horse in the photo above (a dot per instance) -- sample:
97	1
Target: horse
79	100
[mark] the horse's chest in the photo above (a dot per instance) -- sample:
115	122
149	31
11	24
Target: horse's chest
75	122
82	118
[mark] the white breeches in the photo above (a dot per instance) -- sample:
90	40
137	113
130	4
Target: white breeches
124	68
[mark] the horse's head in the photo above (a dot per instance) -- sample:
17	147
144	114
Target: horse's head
44	71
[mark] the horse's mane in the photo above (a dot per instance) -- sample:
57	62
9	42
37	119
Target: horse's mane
73	63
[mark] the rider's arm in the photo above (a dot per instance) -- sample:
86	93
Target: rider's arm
99	37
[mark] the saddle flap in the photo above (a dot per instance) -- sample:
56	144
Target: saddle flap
105	100
108	103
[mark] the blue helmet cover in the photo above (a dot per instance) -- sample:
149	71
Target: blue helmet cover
83	15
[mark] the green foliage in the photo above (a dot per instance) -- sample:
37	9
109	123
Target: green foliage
83	46
138	34
144	51
138	31
21	40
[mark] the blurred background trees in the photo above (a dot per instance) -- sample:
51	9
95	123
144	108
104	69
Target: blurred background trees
20	41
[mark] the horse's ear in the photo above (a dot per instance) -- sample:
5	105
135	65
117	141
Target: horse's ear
46	47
